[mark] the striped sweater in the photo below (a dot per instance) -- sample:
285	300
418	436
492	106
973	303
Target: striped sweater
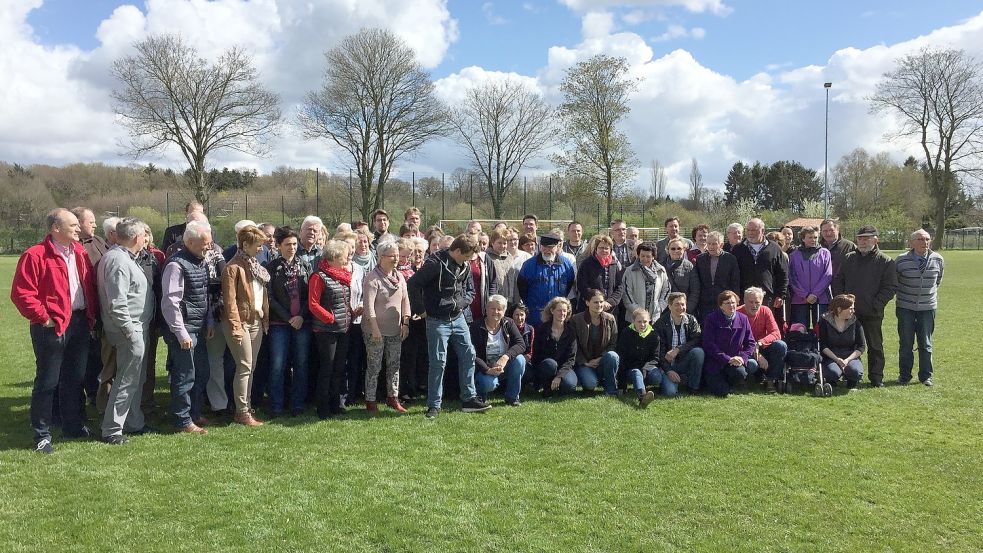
918	281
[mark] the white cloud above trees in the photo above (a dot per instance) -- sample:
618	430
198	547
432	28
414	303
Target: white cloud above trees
55	107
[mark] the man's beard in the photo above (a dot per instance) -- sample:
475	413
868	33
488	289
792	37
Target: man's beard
865	249
549	257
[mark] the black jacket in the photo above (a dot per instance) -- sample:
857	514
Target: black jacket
635	352
514	342
871	277
841	343
279	297
838	251
610	281
684	278
663	327
769	271
563	351
445	289
728	277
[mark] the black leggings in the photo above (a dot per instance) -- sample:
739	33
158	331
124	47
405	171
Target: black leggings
332	351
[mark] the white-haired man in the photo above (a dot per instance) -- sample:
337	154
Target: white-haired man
919	276
185	307
127	306
310	230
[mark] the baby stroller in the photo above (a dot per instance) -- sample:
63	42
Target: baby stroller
803	362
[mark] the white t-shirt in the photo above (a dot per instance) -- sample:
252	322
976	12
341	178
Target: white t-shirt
496	345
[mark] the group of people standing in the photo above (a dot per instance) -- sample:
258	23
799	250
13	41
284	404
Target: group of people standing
298	318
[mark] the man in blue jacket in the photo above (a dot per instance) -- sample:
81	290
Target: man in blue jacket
440	292
543	277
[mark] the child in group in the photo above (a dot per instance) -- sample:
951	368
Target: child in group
519	315
638	351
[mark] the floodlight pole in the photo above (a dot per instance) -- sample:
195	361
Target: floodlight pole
826	158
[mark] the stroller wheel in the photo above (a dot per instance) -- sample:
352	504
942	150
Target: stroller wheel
780	387
828	389
819	390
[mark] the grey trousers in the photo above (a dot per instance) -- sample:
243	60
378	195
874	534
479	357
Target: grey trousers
123	412
389	347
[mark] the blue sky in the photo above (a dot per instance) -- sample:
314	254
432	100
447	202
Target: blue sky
514	35
720	81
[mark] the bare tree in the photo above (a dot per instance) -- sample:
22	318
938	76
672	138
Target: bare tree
503	125
696	187
938	97
595	100
376	103
169	94
658	181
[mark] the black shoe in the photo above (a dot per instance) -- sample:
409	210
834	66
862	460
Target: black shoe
475	406
513	403
928	382
116	439
770	387
44	447
83	434
432	413
147	429
876	384
903	381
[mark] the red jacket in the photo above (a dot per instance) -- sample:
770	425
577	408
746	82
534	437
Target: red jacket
763	325
40	287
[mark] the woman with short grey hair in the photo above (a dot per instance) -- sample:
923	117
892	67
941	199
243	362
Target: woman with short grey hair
386	310
499	347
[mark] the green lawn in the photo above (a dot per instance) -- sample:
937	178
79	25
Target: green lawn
897	469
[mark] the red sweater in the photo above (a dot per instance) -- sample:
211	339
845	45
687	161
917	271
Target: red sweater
763	325
40	288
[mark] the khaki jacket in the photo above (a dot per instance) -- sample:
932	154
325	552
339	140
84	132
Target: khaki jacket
237	293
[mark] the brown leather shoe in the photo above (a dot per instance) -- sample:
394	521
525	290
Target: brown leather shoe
202	421
394	404
247	419
193	429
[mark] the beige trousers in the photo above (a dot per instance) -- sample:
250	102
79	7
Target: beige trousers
245	355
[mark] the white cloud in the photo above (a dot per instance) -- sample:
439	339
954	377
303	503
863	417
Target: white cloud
679	31
55	107
488	9
716	7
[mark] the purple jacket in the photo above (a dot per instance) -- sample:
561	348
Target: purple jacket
807	276
723	339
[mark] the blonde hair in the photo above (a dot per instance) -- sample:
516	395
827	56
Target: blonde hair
250	234
336	249
547	314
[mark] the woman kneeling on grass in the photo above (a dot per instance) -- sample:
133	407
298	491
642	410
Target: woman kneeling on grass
555	349
597	337
841	341
728	343
638	348
387	312
247	318
329	299
499	348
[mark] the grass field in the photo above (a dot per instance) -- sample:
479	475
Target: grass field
896	469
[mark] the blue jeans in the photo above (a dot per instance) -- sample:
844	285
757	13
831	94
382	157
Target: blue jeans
61	362
729	376
546	371
189	374
607	370
832	372
641	377
293	345
689	367
512	376
775	355
807	313
442	333
912	325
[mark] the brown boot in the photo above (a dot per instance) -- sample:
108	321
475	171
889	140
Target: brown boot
372	407
247	419
393	404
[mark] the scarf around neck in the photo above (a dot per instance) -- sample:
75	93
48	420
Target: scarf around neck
648	330
341	274
605	261
257	271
